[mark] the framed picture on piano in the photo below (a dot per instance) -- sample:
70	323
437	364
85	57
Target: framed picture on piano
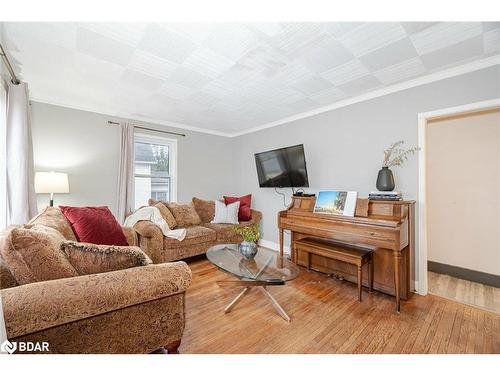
332	202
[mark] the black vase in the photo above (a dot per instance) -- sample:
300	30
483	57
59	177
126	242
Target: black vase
385	180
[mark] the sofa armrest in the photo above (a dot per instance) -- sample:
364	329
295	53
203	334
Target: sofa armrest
130	235
147	229
150	239
34	307
256	217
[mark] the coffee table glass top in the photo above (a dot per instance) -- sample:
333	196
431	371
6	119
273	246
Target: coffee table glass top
267	265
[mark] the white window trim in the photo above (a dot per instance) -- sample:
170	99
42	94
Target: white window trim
172	155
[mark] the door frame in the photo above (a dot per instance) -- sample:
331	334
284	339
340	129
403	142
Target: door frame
423	118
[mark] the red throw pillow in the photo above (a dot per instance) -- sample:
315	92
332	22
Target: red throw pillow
244	214
95	225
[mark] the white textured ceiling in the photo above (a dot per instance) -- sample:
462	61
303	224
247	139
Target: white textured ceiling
232	77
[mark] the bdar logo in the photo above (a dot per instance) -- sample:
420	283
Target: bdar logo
8	347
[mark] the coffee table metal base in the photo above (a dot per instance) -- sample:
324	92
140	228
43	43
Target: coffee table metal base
262	286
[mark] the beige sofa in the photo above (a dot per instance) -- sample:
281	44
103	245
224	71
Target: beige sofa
134	310
199	238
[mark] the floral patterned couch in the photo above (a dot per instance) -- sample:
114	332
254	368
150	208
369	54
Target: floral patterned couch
199	238
134	310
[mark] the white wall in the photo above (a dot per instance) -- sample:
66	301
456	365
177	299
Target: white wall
463	190
344	147
86	147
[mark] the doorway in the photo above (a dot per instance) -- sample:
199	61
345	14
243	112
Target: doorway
460	205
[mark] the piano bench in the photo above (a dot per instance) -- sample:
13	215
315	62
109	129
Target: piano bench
355	255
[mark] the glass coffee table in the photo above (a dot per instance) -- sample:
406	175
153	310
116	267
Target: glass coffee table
266	269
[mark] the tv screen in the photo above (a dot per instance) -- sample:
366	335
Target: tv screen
284	167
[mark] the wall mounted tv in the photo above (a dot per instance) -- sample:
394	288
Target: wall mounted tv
283	167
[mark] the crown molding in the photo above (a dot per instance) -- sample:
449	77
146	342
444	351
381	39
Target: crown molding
467	108
117	115
433	77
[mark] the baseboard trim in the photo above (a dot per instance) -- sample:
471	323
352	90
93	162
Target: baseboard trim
464	273
417	289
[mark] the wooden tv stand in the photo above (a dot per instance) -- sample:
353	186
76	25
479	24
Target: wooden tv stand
386	226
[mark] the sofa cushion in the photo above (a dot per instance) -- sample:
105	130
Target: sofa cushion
204	209
194	235
89	258
225	232
185	214
95	225
152	202
226	214
166	214
131	236
7	279
54	218
32	253
244	213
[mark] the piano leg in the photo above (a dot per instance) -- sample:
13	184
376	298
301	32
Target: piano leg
281	242
360	281
397	282
370	272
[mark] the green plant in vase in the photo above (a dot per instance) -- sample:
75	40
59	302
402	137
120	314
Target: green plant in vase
251	234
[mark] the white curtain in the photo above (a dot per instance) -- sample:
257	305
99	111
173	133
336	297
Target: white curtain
3	331
21	198
125	203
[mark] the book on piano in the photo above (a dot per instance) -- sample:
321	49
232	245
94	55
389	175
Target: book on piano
385	195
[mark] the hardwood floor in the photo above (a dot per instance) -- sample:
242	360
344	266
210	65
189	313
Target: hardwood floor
464	291
327	318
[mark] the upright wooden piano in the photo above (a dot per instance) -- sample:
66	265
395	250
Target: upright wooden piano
388	227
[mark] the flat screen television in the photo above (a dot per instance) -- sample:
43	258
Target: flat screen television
283	167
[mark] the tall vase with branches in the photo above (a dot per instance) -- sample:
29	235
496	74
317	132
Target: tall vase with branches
394	156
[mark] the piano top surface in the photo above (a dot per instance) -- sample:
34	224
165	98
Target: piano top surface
379	220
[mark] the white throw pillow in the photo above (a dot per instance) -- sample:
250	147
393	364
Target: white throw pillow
226	214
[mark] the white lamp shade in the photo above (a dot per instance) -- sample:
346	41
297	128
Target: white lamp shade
51	182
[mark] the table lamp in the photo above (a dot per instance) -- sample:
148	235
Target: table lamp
51	183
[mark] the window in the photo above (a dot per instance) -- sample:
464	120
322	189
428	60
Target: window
154	169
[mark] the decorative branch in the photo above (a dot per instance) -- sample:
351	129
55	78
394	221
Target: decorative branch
396	155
